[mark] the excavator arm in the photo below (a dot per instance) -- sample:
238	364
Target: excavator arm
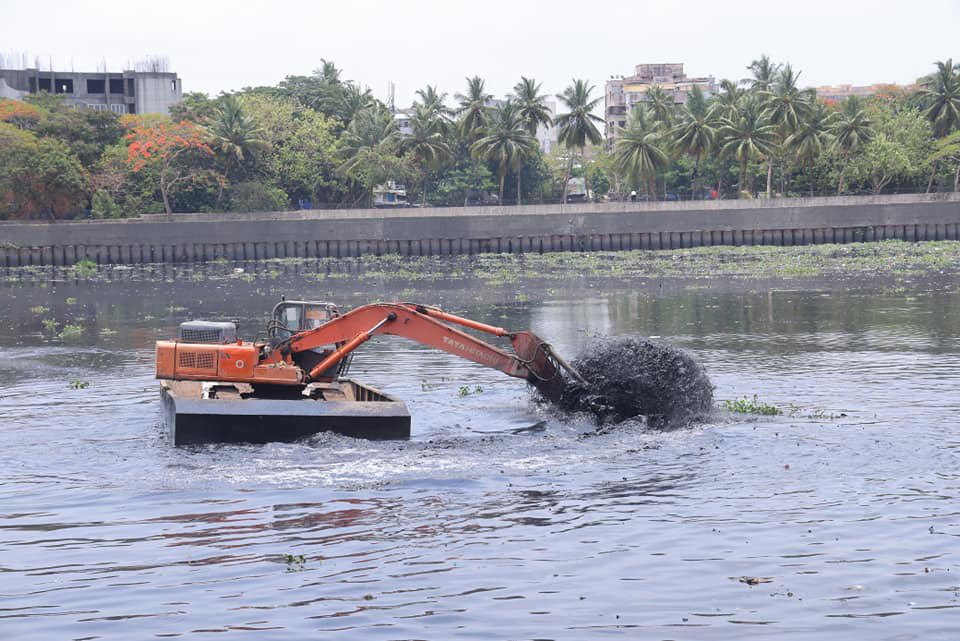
533	359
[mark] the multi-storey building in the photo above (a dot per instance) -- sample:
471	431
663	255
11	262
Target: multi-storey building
842	92
622	93
127	92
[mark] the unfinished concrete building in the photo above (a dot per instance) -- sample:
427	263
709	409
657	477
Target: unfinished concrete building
147	90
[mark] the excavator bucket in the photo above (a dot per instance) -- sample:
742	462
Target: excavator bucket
539	358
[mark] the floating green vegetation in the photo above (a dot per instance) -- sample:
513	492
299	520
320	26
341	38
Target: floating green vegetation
753	405
84	269
49	325
466	391
295	562
71	300
39	309
71	332
78	384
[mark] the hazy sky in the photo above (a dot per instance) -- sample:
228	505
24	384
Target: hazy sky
215	45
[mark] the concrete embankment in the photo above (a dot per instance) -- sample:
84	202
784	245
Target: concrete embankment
536	228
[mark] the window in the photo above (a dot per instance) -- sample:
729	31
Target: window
130	91
173	86
131	109
64	86
116	85
45	85
96	85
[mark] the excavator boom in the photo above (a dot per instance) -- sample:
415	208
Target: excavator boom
532	358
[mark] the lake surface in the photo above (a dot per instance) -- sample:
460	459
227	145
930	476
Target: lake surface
497	520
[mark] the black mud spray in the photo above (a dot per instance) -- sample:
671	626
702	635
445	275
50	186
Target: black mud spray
632	377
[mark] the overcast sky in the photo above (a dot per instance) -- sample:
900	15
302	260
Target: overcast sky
216	45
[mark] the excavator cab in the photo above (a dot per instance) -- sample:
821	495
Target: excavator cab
293	316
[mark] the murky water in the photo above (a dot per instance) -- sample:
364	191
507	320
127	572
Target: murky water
489	524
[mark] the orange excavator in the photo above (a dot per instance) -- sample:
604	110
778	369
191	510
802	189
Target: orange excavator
309	344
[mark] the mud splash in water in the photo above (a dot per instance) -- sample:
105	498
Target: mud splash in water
632	377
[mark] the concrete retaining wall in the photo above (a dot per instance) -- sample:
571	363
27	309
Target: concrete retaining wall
538	228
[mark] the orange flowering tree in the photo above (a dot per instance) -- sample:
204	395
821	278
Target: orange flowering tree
167	148
19	114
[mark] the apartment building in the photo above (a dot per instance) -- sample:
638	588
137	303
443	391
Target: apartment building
623	92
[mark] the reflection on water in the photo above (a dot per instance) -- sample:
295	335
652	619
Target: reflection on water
844	509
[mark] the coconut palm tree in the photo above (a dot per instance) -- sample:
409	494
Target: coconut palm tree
785	105
639	150
578	126
851	130
728	99
506	142
233	135
474	110
434	103
811	137
371	140
696	132
425	144
531	105
941	95
352	100
748	136
661	105
764	73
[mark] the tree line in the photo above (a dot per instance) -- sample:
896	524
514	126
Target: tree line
322	141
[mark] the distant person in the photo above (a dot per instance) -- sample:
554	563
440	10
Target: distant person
633	196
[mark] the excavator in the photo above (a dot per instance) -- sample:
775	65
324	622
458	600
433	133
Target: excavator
306	355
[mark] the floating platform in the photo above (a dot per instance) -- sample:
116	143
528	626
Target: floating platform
197	413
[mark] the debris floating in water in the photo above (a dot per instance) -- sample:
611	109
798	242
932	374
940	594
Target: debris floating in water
631	377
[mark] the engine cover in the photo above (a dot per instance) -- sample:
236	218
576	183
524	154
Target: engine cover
208	332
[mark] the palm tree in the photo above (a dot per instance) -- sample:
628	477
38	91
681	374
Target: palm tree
696	132
371	139
942	97
941	94
661	105
235	136
811	136
353	100
328	72
506	142
531	105
638	151
474	110
578	126
785	105
425	144
764	73
728	100
851	130
748	136
434	103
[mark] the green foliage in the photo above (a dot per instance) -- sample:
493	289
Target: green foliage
753	405
79	384
39	177
71	332
900	150
49	325
256	196
102	205
84	268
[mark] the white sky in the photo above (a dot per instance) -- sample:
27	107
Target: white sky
218	45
